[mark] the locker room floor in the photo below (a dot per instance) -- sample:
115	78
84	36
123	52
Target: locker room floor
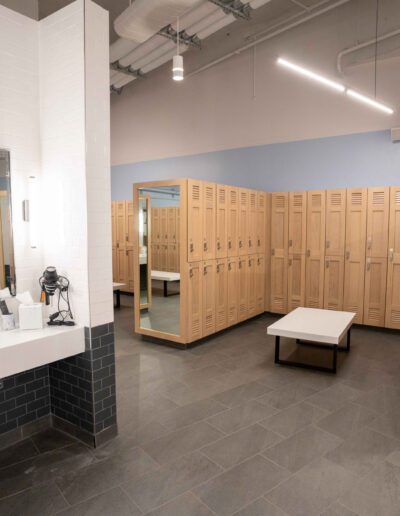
219	430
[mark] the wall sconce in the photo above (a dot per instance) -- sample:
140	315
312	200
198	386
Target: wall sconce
30	211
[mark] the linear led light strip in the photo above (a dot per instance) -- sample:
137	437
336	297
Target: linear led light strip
334	85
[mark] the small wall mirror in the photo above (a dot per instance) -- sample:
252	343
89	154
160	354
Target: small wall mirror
158	220
7	265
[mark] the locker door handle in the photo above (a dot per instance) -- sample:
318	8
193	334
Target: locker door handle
273	252
218	268
328	244
205	270
205	246
368	264
249	243
117	245
191	248
258	261
327	264
391	254
126	253
218	245
240	265
290	262
258	242
308	252
240	243
229	266
369	243
166	236
127	238
249	263
191	273
290	243
229	245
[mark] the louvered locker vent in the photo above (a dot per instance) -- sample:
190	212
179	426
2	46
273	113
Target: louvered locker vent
209	193
297	201
252	200
195	326
221	317
279	201
378	198
374	314
233	197
395	316
196	192
209	321
243	198
356	198
336	199
397	198
316	200
221	195
261	201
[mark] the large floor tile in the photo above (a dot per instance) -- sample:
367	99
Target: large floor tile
43	500
302	448
184	416
175	444
240	416
349	419
261	507
185	505
17	452
286	396
113	502
363	450
161	486
388	424
289	421
337	509
381	400
241	445
237	487
313	489
334	397
51	439
242	393
376	494
100	476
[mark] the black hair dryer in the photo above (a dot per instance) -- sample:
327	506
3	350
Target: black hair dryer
51	284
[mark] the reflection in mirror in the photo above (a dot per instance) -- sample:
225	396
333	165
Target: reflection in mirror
159	217
7	268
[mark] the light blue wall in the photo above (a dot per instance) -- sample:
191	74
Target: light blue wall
367	159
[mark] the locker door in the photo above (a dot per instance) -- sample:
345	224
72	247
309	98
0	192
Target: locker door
279	252
171	256
154	257
162	260
267	305
171	214
232	315
115	264
233	221
315	257
155	225
354	266
195	221
378	222
129	269
260	283
209	220
334	278
375	291
121	265
195	301
221	300
129	224
261	222
252	289
243	221
164	225
120	224
296	281
335	222
393	279
178	225
252	222
242	289
222	221
297	222
209	268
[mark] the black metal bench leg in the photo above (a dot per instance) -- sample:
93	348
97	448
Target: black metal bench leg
277	346
348	340
165	289
334	363
117	298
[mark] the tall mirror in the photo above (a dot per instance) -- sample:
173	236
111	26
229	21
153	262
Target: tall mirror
159	260
7	266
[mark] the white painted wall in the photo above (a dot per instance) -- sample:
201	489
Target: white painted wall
216	110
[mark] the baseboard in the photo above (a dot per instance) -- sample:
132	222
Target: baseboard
92	440
25	431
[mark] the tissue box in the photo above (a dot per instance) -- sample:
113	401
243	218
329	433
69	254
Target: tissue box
31	316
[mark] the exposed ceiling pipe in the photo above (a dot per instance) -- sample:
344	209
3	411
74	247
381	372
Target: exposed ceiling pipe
360	46
273	34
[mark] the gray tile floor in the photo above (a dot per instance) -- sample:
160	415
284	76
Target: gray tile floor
218	430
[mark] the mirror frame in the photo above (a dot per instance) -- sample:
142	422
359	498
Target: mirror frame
182	337
13	279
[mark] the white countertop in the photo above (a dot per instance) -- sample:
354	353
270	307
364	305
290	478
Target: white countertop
313	324
165	276
21	350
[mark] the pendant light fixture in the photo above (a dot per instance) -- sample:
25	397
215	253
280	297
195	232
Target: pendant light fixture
177	61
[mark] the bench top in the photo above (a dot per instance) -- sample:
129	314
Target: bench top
165	276
313	324
117	286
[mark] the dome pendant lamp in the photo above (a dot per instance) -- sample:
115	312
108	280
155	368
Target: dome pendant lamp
177	61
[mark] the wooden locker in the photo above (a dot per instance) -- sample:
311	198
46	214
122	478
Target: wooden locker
260	284
155	225
297	222
354	266
315	256
120	215
252	222
178	225
162	257
242	288
115	264
267	303
172	227
195	221
261	222
195	301
171	258
129	269
233	221
164	225
129	224
243	221
375	291
378	222
335	222
155	253
209	272
393	276
279	252
222	222
251	285
377	254
233	291
209	220
334	282
121	265
296	281
221	294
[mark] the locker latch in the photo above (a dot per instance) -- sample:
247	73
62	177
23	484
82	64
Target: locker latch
347	255
391	254
229	244
328	244
191	273
240	243
191	248
205	270
258	242
218	245
205	246
327	264
273	252
290	243
229	266
249	243
218	267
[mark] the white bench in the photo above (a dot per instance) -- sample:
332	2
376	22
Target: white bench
313	327
117	290
166	277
